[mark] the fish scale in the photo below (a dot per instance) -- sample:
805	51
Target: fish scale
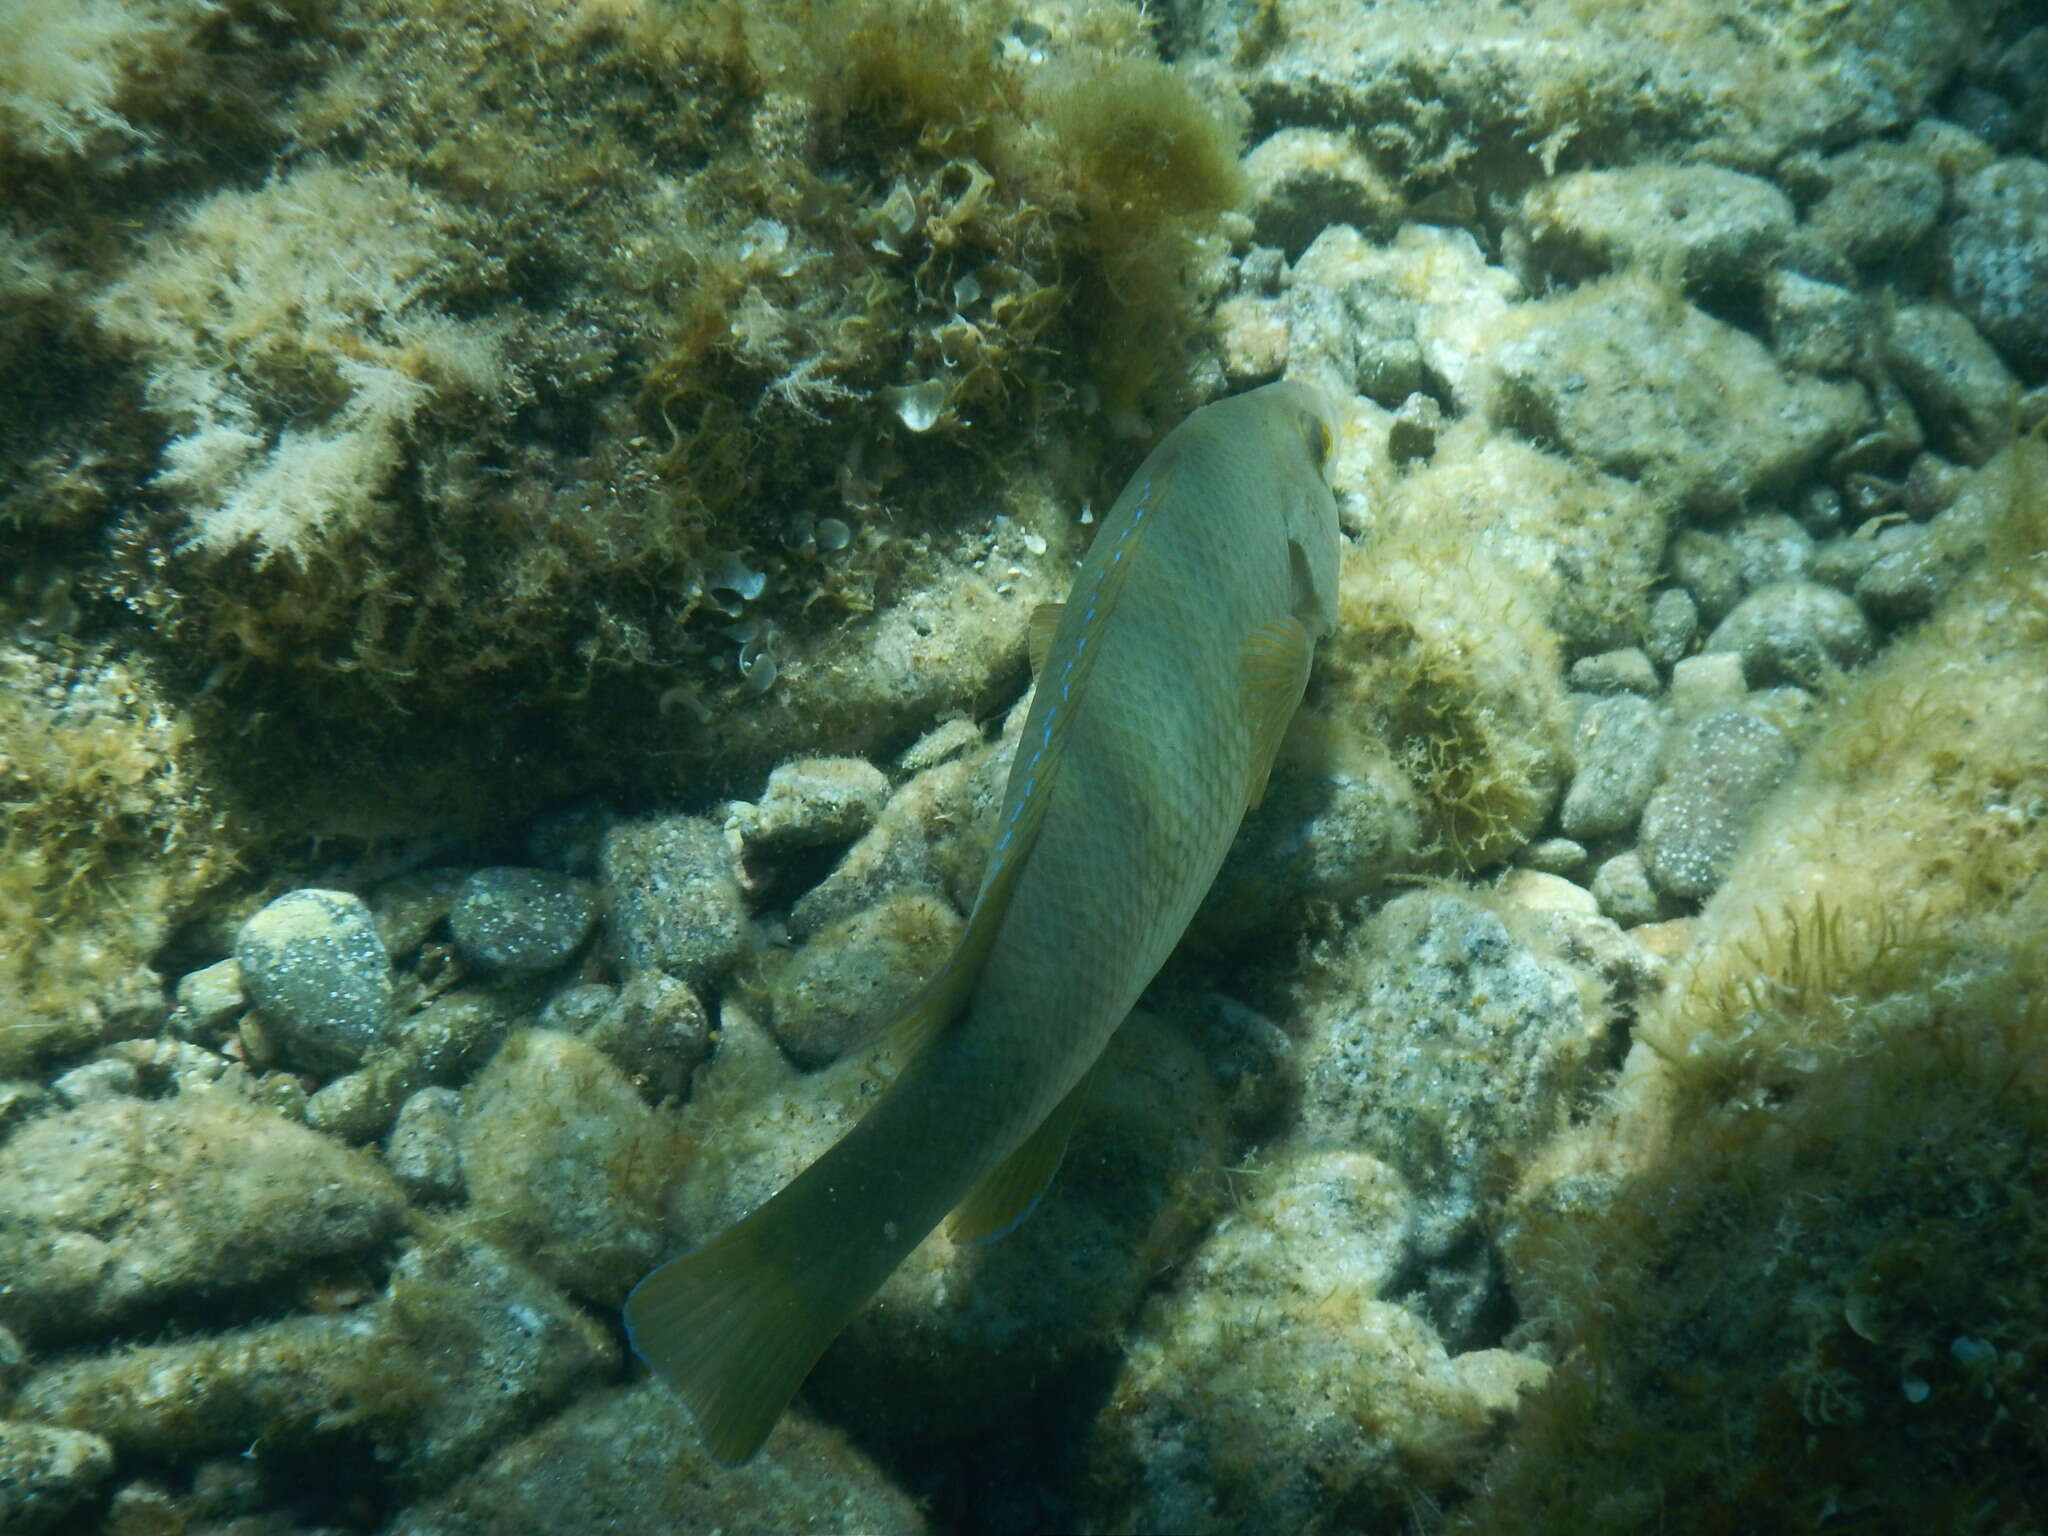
1165	688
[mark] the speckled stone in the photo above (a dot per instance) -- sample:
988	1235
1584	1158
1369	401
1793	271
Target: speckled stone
675	902
312	962
422	1150
1998	258
1725	762
520	922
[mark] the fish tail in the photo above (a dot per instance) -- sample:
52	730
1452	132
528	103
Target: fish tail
734	1327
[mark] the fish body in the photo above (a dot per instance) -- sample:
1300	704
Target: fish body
1167	681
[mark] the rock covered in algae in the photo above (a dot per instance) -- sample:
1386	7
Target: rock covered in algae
1440	1041
463	1346
46	1473
1835	1113
857	974
1277	1387
126	1205
1643	385
565	1165
629	1460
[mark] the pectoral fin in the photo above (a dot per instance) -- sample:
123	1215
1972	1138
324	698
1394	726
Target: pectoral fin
1013	1191
1276	659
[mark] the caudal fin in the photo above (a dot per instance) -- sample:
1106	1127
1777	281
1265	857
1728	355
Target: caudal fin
734	1330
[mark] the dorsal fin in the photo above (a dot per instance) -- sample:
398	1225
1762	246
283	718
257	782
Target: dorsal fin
1038	633
1062	685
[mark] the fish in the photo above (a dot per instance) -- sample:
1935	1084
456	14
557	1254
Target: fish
1164	687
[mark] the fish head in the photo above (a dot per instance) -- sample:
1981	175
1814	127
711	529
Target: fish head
1305	420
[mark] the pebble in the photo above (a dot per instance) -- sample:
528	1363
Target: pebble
942	743
1814	326
441	1045
1536	890
1622	887
849	981
207	1002
1444	1041
1707	567
422	1151
655	1030
1881	203
1674	622
1998	258
926	838
1796	632
407	907
1769	547
1706	681
19	1098
629	1459
1709	229
312	962
1841	562
46	1473
1553	855
1917	563
1303	180
1724	764
1954	377
1623	671
520	922
1617	742
105	1077
811	803
1699	411
464	1348
674	899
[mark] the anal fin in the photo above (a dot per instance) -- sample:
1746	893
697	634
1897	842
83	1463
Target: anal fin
1013	1191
